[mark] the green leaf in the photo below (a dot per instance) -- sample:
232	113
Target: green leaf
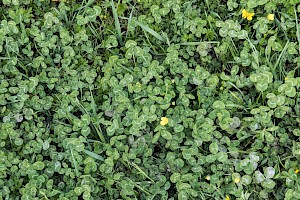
164	11
214	148
182	195
218	105
39	165
289	194
222	157
184	186
246	179
269	137
261	86
254	78
259	177
269	172
290	91
165	134
268	183
78	190
127	187
85	131
211	158
85	119
175	177
155	137
130	44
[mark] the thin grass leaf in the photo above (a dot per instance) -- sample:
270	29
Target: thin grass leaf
94	155
198	43
151	31
81	107
129	20
90	2
167	38
75	164
141	171
91	140
237	89
92	28
100	134
93	104
129	70
141	188
297	28
279	59
117	23
255	53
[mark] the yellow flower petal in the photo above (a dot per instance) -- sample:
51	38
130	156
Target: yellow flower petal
164	121
270	17
236	180
244	13
251	14
297	171
247	15
249	18
227	197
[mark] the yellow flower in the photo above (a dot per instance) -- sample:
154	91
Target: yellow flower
270	17
227	197
246	14
164	121
207	178
297	171
236	180
286	78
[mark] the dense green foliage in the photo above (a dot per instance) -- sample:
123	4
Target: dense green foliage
84	87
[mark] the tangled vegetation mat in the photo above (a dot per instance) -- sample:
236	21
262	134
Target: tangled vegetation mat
149	99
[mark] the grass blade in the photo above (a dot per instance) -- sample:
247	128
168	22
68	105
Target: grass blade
93	104
90	2
297	28
129	20
75	163
151	31
117	23
198	43
94	155
141	171
279	59
141	188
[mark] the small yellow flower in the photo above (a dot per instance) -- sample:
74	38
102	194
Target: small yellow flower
207	178
248	15
236	180
297	171
286	78
270	17
227	197
164	121
173	103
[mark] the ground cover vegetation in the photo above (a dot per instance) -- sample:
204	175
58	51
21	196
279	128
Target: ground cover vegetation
149	99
